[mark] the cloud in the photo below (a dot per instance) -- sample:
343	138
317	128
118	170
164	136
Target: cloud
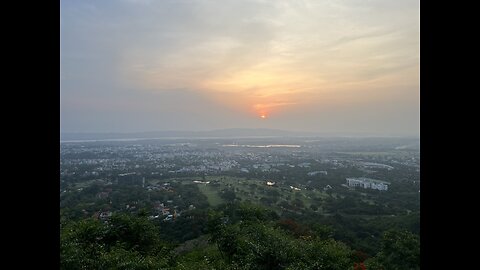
281	54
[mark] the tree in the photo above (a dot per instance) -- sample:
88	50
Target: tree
228	195
124	242
400	251
321	231
79	245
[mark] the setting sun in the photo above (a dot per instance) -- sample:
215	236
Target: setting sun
263	116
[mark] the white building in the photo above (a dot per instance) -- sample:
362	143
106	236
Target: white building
294	188
367	183
317	172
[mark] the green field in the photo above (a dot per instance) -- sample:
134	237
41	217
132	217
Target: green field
253	190
211	193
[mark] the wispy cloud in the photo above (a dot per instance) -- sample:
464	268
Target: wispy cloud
288	53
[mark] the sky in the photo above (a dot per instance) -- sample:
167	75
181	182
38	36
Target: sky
320	66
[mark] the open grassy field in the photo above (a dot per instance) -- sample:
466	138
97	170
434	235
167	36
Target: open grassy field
212	194
256	191
253	190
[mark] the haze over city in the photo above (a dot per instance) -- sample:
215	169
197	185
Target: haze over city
315	66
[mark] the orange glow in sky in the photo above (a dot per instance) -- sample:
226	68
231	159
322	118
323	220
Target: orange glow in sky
306	65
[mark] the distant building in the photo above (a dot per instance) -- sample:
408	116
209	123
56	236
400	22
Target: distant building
317	172
367	183
270	183
304	164
105	215
201	182
294	188
376	165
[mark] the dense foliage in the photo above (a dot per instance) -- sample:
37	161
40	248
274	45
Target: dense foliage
238	236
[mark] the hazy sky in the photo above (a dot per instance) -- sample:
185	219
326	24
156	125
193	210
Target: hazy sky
327	66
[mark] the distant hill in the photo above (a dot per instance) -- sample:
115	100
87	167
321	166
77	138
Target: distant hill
227	133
